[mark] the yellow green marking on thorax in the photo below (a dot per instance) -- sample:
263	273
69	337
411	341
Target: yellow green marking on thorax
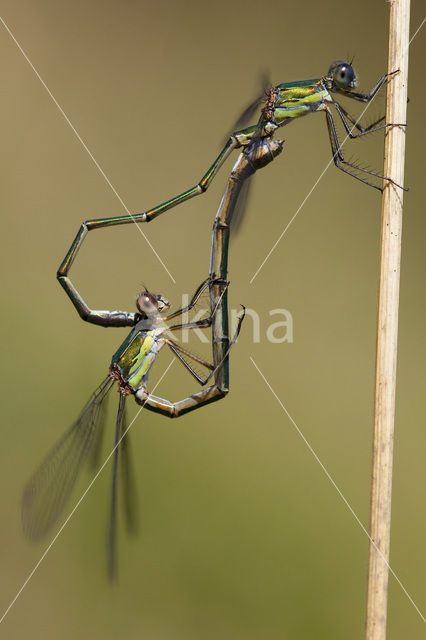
297	99
135	356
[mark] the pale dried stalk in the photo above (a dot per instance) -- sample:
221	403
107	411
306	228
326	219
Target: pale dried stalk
387	327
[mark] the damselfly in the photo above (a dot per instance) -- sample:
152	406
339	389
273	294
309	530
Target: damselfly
48	490
285	103
51	485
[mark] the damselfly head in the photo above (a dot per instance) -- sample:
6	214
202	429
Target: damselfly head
150	304
341	75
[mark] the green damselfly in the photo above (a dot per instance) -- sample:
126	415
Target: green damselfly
47	492
285	103
50	487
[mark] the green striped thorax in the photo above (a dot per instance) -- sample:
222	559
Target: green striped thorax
132	361
291	100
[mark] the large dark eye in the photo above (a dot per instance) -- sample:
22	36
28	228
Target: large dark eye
147	303
343	75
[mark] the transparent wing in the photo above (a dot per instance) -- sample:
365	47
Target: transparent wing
192	346
245	119
95	455
48	490
112	529
238	215
122	459
128	481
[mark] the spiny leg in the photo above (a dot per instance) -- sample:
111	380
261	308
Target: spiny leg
371	128
199	291
363	130
367	97
176	348
342	164
197	324
338	158
203	322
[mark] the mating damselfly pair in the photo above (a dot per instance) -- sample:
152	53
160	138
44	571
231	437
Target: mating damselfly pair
48	490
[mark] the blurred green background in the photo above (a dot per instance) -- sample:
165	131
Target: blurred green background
242	535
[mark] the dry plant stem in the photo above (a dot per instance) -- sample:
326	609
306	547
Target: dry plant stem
387	327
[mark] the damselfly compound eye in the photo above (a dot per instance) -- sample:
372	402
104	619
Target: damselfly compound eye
343	75
147	303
